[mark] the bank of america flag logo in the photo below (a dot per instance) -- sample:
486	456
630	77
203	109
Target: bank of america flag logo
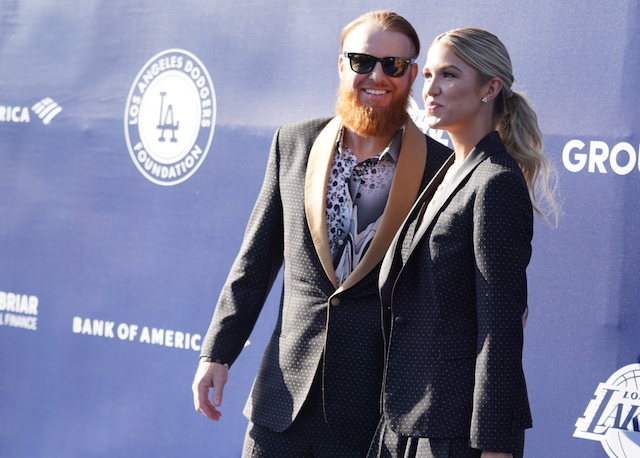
46	109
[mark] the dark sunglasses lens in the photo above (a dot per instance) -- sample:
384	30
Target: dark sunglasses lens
393	66
362	63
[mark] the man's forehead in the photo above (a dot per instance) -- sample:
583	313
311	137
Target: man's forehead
368	37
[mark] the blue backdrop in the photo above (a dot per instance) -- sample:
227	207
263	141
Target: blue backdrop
114	243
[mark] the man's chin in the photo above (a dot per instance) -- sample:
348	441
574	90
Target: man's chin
373	118
378	103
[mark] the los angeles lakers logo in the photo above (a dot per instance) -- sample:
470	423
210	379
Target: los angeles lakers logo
613	415
170	117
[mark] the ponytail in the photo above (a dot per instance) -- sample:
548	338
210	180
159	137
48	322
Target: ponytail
517	125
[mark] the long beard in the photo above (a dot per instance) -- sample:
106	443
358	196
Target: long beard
374	121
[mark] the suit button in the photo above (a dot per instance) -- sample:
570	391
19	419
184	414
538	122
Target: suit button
335	301
398	320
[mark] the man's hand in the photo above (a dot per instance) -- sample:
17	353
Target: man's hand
209	375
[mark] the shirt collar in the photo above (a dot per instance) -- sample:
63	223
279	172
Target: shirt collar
391	152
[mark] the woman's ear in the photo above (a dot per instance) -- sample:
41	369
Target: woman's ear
492	88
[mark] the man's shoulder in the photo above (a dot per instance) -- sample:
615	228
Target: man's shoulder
309	126
437	151
435	145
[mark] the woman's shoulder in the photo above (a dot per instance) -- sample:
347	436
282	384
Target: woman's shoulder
500	167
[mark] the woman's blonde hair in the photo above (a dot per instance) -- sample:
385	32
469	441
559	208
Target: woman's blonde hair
514	118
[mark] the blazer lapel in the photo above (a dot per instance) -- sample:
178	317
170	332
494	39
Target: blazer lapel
315	193
392	261
487	146
404	189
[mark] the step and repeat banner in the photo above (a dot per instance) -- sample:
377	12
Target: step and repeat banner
133	141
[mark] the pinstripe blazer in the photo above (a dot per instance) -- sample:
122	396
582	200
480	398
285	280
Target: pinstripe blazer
454	288
319	324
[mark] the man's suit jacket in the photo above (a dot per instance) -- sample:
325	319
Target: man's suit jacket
320	324
453	306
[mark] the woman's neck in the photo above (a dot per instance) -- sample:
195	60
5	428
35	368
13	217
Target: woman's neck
465	139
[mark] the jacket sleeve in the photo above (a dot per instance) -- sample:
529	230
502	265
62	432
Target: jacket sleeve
253	271
503	229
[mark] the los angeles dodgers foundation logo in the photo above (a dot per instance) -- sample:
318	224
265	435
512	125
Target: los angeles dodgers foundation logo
613	416
170	117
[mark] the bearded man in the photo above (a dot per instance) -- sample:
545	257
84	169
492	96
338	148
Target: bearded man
334	194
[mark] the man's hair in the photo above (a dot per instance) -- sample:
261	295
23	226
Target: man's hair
386	20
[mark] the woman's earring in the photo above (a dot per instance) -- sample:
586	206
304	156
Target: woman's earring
484	99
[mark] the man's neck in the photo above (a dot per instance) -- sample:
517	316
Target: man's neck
364	148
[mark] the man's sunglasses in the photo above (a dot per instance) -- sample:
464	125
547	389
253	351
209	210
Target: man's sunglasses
394	67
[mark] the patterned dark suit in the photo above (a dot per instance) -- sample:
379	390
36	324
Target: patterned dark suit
320	325
454	289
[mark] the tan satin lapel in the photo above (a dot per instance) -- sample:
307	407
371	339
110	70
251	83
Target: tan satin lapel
315	193
403	193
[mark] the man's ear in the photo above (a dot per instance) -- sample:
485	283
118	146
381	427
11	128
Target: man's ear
341	65
414	73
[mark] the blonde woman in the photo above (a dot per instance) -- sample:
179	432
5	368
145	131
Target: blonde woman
453	283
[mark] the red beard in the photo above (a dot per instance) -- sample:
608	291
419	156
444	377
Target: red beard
372	121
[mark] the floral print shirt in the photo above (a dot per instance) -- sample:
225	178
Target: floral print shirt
357	193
